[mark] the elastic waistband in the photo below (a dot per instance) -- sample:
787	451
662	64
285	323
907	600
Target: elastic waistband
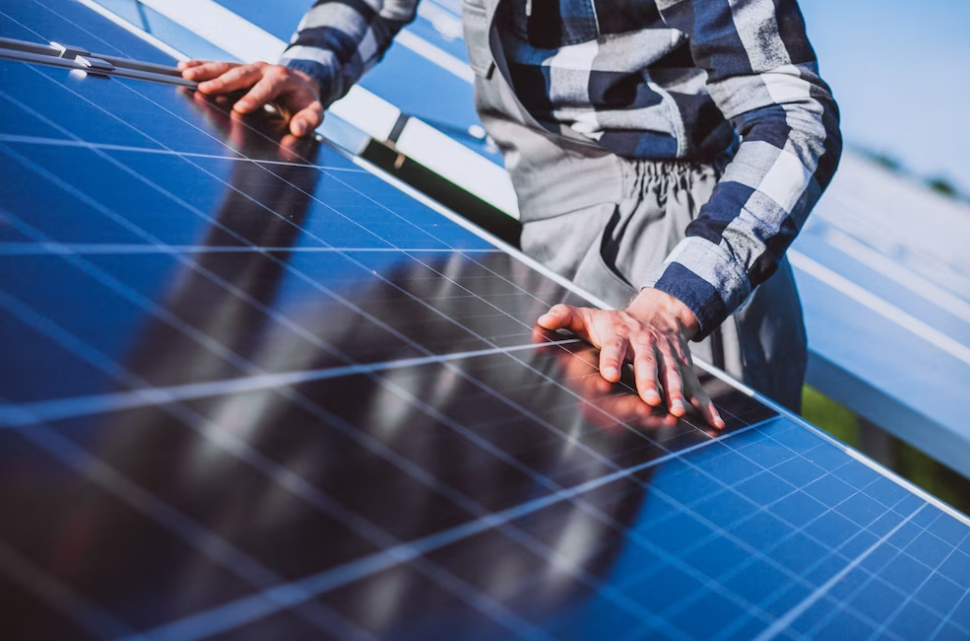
563	185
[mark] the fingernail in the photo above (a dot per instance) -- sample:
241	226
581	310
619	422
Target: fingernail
652	397
611	372
299	127
205	85
677	404
243	105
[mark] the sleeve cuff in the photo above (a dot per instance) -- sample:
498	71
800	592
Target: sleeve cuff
705	278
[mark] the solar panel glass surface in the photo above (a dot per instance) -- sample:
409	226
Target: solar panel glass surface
257	391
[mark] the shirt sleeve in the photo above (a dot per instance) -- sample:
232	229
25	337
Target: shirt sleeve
338	40
763	75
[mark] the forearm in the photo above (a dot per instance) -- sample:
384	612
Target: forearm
765	81
338	41
786	161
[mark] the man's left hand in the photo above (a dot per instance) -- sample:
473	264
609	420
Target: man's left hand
295	94
652	332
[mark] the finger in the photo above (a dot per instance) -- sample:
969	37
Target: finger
202	70
705	406
645	373
232	80
612	355
264	91
307	120
673	385
701	401
565	317
188	64
713	416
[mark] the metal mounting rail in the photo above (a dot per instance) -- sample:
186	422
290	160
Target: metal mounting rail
71	57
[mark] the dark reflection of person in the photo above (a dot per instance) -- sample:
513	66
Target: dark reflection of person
295	427
662	151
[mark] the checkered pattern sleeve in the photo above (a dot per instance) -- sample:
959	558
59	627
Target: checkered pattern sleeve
763	75
338	40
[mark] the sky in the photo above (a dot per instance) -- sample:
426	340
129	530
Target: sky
900	71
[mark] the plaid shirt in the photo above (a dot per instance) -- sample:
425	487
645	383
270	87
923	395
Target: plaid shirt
656	79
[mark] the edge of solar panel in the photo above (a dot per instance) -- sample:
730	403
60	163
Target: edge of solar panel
724	376
597	302
545	271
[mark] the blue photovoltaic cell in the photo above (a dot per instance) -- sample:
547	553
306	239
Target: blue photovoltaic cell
256	392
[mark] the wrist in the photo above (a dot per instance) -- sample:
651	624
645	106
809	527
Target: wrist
653	302
319	78
312	82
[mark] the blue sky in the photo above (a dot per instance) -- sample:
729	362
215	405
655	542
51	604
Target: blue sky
901	74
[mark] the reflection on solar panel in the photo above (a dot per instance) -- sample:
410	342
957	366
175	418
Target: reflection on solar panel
255	391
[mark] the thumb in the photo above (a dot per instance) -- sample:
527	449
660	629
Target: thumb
564	316
305	121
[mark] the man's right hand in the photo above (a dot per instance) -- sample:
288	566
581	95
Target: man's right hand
294	93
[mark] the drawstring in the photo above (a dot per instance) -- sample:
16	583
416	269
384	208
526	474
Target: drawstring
665	177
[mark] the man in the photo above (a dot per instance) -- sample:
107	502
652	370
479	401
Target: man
664	151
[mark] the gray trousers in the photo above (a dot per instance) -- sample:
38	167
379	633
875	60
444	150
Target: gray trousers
605	222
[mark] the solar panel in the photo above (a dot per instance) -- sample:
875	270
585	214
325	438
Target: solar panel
254	391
